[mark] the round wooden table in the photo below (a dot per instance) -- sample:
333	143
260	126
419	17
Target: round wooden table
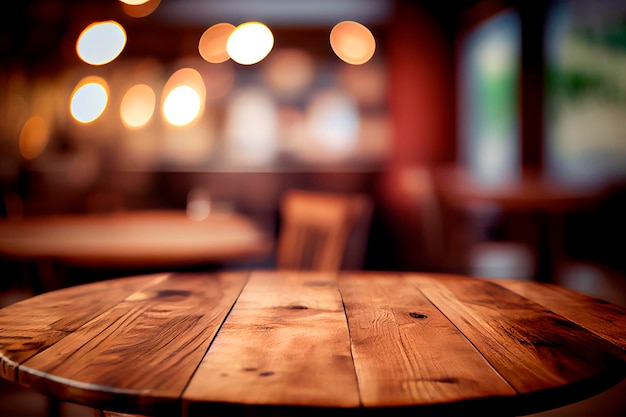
284	342
545	203
133	239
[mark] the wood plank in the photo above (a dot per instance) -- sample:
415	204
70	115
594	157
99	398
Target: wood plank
285	343
171	323
405	351
532	347
598	316
35	324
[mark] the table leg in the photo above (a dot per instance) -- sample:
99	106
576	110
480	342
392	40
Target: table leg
54	407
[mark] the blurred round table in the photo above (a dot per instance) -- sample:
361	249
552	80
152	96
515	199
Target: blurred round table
543	202
133	239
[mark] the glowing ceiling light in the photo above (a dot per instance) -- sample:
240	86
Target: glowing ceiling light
184	96
101	42
142	9
181	106
212	45
89	99
134	2
137	106
352	42
249	43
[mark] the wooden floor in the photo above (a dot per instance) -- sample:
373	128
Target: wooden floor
18	402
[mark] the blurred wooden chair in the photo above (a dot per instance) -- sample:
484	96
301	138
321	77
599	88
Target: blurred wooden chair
323	231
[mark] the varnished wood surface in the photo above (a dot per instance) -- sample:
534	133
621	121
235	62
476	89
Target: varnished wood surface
130	239
294	343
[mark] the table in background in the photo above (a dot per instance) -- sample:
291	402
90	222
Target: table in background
284	342
546	203
129	240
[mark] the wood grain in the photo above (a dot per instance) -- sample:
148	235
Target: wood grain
405	351
300	343
140	354
285	343
600	317
35	324
532	347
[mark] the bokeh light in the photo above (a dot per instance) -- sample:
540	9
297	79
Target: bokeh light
352	42
137	106
181	106
367	84
34	137
143	9
249	43
134	2
101	42
184	97
89	99
289	72
212	45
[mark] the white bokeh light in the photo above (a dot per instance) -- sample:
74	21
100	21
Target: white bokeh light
134	2
89	101
101	42
181	106
249	43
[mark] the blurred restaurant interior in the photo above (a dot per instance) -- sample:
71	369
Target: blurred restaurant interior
489	135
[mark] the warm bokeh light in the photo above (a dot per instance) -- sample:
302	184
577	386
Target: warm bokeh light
184	96
134	2
212	45
249	43
101	42
367	84
181	106
89	99
137	106
186	76
143	9
34	137
289	71
352	42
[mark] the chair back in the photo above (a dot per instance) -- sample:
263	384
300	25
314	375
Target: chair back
323	231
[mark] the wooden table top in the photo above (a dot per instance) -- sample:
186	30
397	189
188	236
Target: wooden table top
220	343
151	238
